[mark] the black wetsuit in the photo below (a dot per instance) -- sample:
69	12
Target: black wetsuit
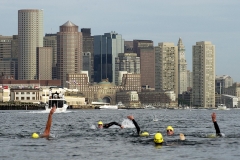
110	124
218	133
136	125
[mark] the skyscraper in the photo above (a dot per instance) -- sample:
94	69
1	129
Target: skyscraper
30	36
69	51
106	48
203	54
88	52
182	68
166	67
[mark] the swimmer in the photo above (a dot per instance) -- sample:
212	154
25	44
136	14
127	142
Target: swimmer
107	125
46	133
170	130
214	120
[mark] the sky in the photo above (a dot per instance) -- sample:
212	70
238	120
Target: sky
158	20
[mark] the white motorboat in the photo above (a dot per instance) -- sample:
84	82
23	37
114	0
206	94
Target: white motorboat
105	106
56	99
149	107
222	107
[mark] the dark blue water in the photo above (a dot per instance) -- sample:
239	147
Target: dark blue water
74	136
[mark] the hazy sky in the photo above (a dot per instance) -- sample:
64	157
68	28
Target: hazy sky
158	20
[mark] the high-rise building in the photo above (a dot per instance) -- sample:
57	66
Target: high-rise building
50	40
8	65
44	63
88	52
166	66
69	51
126	62
30	36
145	50
106	48
203	54
182	68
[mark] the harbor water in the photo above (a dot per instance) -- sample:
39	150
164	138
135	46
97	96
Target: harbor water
74	135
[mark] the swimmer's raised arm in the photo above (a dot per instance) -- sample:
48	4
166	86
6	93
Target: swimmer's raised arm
214	120
134	122
46	133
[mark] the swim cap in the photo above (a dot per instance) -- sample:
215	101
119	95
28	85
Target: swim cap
35	135
100	122
158	138
144	134
170	128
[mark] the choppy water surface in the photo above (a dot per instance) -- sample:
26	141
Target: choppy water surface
75	136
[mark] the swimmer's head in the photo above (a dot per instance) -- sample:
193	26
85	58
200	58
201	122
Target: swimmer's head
170	130
35	135
100	124
158	138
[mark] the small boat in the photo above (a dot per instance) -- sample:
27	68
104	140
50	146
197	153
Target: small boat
56	99
106	106
222	107
149	107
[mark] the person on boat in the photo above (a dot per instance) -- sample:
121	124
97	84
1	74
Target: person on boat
214	120
46	133
107	125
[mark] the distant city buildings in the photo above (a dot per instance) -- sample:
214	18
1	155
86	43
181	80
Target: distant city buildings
203	54
104	66
30	36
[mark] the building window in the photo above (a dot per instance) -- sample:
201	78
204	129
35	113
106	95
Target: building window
28	98
22	98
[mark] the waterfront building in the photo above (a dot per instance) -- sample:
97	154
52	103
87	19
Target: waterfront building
44	63
106	49
69	51
88	58
50	40
166	66
145	50
203	54
182	68
222	82
126	62
30	36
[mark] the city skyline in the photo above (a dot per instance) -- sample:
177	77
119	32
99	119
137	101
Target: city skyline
158	21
